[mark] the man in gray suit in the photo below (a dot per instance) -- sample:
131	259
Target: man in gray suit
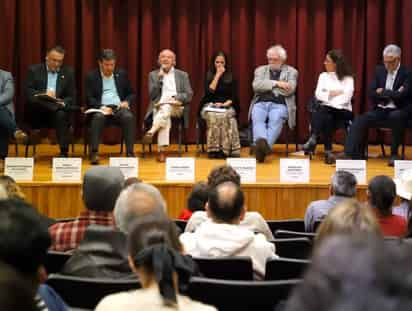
274	101
7	123
169	92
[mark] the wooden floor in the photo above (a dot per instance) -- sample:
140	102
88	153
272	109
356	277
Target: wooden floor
268	196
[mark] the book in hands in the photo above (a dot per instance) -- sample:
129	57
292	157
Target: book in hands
45	96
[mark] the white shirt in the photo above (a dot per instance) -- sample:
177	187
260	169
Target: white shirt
390	80
328	81
169	86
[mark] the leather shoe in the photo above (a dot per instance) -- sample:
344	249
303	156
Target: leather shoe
392	160
310	145
130	155
20	137
63	155
261	149
161	157
94	158
329	158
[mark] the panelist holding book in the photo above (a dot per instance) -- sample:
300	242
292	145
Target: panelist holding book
109	98
51	95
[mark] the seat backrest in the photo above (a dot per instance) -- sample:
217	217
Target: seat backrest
229	268
181	224
240	295
286	224
285	268
280	234
298	248
79	292
55	261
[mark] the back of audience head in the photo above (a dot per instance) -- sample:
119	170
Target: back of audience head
131	180
24	240
198	197
357	273
11	187
221	174
14	293
381	194
155	255
226	203
343	184
135	201
348	217
101	187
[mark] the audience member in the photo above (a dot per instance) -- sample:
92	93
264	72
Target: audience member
358	274
24	242
348	217
222	236
404	192
155	257
252	220
131	180
342	187
12	188
101	187
103	250
381	195
196	200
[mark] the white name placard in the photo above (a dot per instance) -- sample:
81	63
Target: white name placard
67	169
400	167
294	170
180	169
128	166
19	168
356	167
245	167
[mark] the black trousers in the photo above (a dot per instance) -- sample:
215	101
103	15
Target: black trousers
7	129
395	119
325	121
124	118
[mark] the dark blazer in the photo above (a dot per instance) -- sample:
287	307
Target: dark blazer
36	83
94	87
402	88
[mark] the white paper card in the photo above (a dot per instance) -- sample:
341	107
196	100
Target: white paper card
400	167
180	169
245	167
67	169
356	167
128	166
20	169
294	170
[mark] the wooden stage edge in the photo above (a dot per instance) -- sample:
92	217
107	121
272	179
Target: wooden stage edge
274	200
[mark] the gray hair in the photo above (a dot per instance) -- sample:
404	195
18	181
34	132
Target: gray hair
137	200
392	50
279	50
344	184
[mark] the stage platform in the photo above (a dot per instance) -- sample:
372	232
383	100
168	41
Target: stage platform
268	196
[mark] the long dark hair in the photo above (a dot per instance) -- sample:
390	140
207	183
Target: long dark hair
227	76
343	69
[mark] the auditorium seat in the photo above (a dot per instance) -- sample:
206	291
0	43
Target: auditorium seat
281	234
55	261
298	248
285	268
286	224
229	268
85	293
229	295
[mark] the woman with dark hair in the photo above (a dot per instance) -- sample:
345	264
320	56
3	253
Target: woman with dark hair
333	97
219	108
155	256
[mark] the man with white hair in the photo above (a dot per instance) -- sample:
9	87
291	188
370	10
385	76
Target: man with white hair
274	86
169	92
391	95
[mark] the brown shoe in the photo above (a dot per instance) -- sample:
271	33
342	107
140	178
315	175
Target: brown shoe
261	150
161	157
147	138
20	137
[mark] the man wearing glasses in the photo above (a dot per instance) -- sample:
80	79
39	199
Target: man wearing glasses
274	86
391	95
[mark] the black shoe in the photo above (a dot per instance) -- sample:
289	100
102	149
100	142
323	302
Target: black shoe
261	149
310	145
130	155
329	158
212	155
94	158
392	160
63	155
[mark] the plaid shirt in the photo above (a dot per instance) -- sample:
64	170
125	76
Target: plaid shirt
66	236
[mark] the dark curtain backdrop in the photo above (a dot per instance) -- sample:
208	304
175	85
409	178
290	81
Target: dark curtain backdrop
194	29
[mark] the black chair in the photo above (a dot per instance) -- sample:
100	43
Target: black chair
228	268
285	268
282	234
79	292
34	138
286	224
55	261
181	224
240	295
316	225
298	248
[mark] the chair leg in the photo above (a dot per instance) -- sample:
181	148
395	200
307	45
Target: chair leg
26	150
179	139
16	147
34	150
287	142
403	150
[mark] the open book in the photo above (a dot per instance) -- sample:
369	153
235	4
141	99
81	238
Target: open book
92	110
44	96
